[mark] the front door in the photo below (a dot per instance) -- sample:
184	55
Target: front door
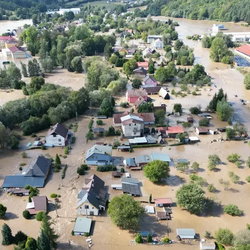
91	213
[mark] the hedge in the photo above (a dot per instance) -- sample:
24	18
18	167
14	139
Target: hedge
64	171
106	168
146	146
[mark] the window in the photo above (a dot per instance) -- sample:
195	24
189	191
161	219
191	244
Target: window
59	139
54	135
86	206
93	208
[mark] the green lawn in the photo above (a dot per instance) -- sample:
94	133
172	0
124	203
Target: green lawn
97	3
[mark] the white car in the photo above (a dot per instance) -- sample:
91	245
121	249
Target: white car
127	175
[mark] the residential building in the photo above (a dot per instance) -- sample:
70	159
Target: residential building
131	186
244	51
99	155
93	197
57	136
164	93
149	81
129	162
132	95
157	44
151	90
147	52
82	226
34	175
185	233
132	126
202	131
152	38
163	202
4	39
173	131
160	157
140	72
17	52
39	203
143	65
139	101
142	160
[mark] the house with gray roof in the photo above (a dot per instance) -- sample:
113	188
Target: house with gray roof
34	175
99	155
131	186
57	136
93	197
141	160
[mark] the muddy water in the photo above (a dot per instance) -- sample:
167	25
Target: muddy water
10	25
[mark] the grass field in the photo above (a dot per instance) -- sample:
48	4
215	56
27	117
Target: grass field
97	3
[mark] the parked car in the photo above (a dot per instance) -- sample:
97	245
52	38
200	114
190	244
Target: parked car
127	175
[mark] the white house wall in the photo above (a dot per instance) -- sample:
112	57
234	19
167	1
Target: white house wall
87	211
128	129
57	141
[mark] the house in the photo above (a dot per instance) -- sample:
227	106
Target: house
99	155
163	202
193	139
57	136
202	131
147	52
93	197
34	175
173	131
151	90
184	233
129	162
206	245
164	93
82	225
142	160
190	119
140	72
149	81
10	43
160	157
157	44
3	39
160	107
244	51
39	203
132	126
152	38
143	65
139	101
132	95
17	52
131	186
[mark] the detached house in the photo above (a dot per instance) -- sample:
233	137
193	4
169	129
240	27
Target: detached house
157	44
132	95
93	197
99	155
132	126
140	72
149	81
57	135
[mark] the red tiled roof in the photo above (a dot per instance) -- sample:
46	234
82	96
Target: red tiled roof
245	49
137	93
142	64
163	201
175	130
202	129
15	49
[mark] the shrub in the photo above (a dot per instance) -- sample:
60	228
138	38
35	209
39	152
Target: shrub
204	122
106	168
72	232
233	158
232	210
22	164
66	150
24	155
63	171
165	240
43	147
186	124
40	215
73	140
116	143
195	166
53	195
138	238
182	166
33	135
122	170
26	214
194	110
90	135
20	237
124	104
248	178
211	188
75	128
91	123
3	210
99	122
29	199
20	169
57	167
149	238
207	234
224	236
86	234
81	170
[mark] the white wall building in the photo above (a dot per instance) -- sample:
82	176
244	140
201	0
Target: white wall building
152	38
57	135
132	126
157	44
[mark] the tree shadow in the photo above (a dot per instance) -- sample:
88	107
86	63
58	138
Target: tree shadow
175	180
212	208
241	182
10	216
233	190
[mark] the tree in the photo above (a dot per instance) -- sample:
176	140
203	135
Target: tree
191	197
195	110
108	51
159	116
178	108
107	107
90	135
211	188
178	44
232	210
35	84
81	169
30	244
247	80
230	133
136	83
213	161
34	68
195	166
40	215
47	64
76	64
224	110
149	238
26	214
182	166
242	238
7	238
57	159
146	107
206	42
125	212
151	66
224	236
233	158
3	210
129	66
156	170
80	99
24	69
49	232
43	242
161	74
20	237
138	238
204	122
181	137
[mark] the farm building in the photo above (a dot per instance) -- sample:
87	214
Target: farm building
185	233
82	225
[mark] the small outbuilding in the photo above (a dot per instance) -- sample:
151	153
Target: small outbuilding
202	131
39	203
185	233
116	174
98	130
164	93
141	160
160	157
131	186
149	209
206	245
163	202
129	162
82	226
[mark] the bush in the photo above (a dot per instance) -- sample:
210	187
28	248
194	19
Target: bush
90	135
211	188
24	155
81	170
91	123
138	238
63	171
122	170
53	195
207	234
232	210
106	168
57	167
66	150
20	169
72	232
204	122
26	214
99	122
43	147
194	110
33	135
86	234
73	140
248	178
22	164
165	240
29	199
233	158
224	236
75	128
186	124
20	238
40	215
3	210
116	143
124	104
149	238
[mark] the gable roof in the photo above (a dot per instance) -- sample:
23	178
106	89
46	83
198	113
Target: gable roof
143	64
149	77
19	181
40	203
140	69
146	117
163	92
5	38
59	130
245	49
131	118
139	101
160	157
137	93
175	130
39	168
99	149
152	90
15	49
